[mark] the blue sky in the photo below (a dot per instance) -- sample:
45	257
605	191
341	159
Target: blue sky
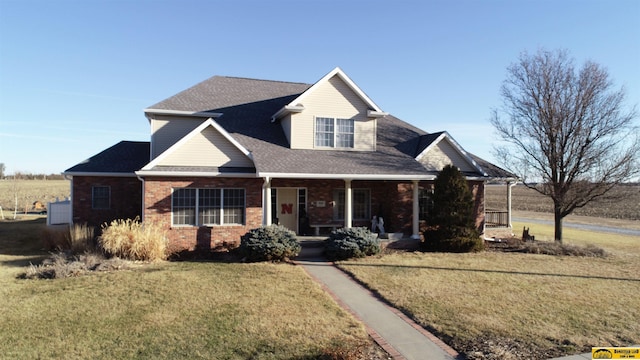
75	76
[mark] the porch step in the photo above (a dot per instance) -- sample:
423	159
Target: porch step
312	247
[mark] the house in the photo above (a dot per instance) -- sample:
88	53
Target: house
231	154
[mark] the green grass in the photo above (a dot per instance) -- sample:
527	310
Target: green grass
506	303
165	310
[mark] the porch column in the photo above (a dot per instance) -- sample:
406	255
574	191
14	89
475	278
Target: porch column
416	210
266	202
509	186
348	201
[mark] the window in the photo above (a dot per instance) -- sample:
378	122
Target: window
425	202
101	197
212	206
360	206
338	133
184	207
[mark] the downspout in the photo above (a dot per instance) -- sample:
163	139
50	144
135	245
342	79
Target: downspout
70	179
143	196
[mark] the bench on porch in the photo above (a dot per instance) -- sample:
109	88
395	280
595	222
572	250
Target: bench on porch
317	227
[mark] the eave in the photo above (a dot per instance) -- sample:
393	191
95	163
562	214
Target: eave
321	176
160	173
286	110
204	114
101	174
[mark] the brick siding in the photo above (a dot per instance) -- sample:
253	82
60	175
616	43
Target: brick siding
125	201
158	209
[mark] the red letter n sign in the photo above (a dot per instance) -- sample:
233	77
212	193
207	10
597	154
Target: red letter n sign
287	208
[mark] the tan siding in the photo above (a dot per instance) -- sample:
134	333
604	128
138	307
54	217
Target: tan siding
445	154
333	99
166	131
208	148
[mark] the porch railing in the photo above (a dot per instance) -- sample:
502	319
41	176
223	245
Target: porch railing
496	218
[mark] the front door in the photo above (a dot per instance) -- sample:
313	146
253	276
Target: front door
287	208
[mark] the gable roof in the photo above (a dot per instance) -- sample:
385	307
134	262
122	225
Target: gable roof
243	110
429	142
156	165
296	104
121	159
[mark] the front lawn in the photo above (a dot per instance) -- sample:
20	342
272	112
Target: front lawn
166	310
509	305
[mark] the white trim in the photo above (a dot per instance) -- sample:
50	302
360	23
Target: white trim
100	174
286	110
208	114
456	146
376	114
325	176
194	132
296	103
194	174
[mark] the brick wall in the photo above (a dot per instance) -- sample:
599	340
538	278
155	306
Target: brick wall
158	209
386	201
126	199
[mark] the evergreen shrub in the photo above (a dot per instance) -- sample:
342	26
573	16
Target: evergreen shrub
349	243
451	222
269	243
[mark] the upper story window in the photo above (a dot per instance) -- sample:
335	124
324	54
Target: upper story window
334	132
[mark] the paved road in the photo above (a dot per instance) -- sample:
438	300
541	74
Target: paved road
606	229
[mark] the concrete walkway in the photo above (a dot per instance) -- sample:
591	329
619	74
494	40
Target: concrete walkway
396	333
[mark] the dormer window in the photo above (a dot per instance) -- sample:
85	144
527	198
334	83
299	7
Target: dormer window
334	132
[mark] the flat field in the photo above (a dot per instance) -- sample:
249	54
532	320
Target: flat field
30	191
623	202
167	310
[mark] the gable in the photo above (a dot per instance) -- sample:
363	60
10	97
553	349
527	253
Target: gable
443	151
206	146
332	98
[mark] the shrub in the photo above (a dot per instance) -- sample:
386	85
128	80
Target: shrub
133	240
349	243
62	265
452	219
436	241
553	248
269	243
77	238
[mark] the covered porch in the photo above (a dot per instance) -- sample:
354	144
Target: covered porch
316	206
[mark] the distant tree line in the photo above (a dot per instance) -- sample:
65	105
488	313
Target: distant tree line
19	175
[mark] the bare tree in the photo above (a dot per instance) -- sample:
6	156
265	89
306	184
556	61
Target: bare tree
567	129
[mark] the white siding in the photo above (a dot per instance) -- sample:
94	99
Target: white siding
208	148
332	99
167	131
445	154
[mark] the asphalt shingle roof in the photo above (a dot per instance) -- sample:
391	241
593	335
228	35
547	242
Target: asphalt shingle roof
247	106
125	157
